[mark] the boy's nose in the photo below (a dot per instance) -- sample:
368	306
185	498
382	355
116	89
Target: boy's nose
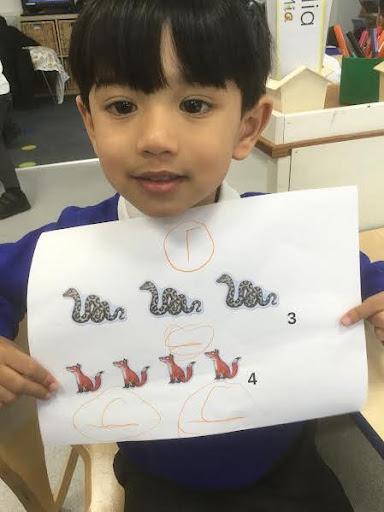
157	134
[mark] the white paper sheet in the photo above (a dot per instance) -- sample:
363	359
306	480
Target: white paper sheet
283	355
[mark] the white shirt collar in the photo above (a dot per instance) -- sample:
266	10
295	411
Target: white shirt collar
126	210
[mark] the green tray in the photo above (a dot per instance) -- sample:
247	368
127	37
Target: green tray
360	83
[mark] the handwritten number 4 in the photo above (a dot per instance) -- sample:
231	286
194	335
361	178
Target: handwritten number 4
252	379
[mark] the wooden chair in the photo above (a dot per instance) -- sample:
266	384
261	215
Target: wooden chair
23	467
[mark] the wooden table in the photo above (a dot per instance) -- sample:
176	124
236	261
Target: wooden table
371	419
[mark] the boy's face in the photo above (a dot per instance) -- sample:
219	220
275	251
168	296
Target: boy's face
169	151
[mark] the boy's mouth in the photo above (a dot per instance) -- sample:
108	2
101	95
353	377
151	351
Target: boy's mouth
158	176
160	181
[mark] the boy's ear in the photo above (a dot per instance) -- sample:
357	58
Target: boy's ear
252	124
88	122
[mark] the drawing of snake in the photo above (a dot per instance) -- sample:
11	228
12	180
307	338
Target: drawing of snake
94	309
248	294
172	302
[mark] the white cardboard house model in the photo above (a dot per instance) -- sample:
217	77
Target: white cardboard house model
300	91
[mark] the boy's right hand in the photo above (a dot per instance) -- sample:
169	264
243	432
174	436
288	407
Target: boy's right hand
22	375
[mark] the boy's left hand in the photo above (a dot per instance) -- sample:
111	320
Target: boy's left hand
371	309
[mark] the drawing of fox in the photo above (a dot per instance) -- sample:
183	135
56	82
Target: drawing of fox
221	368
131	379
176	373
84	383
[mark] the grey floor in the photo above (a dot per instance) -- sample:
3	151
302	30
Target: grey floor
57	131
50	189
55	458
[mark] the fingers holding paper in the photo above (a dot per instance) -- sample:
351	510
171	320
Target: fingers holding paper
372	309
22	375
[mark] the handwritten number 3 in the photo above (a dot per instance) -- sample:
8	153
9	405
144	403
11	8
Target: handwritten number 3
292	318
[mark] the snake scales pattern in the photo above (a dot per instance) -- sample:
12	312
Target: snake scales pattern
171	301
94	309
249	295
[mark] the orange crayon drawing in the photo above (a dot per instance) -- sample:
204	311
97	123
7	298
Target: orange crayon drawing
177	374
187	241
188	341
222	370
201	413
189	247
84	383
131	379
109	426
114	414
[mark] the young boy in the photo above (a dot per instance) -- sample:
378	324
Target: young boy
170	92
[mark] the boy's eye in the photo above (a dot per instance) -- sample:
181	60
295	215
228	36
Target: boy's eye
195	106
122	108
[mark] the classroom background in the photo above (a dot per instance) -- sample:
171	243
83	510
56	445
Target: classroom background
339	145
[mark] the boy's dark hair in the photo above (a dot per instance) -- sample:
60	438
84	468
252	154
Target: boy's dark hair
118	41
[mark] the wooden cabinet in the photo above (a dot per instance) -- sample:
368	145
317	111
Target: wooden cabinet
44	32
334	147
64	33
53	32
